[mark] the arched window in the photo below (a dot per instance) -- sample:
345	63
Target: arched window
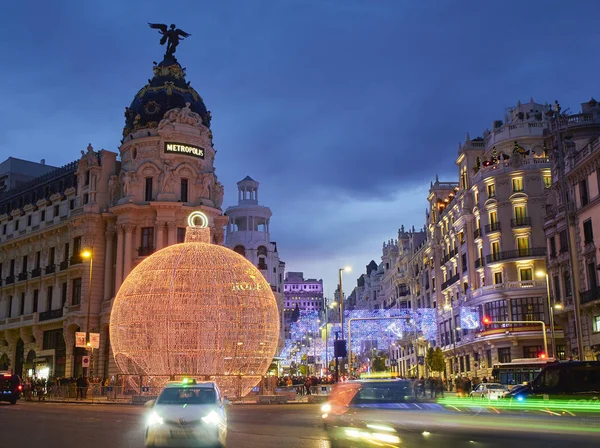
262	250
240	250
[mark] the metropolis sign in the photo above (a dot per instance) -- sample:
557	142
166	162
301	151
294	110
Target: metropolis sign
181	148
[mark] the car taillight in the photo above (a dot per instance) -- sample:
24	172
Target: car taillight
20	387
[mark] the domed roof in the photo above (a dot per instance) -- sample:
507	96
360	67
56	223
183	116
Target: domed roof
167	90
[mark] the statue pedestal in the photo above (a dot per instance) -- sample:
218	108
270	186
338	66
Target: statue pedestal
166	197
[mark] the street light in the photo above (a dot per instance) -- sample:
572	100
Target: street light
342	270
558	306
88	254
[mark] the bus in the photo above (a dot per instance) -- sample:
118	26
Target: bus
519	371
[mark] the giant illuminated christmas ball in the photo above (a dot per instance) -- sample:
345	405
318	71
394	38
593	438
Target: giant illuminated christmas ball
196	309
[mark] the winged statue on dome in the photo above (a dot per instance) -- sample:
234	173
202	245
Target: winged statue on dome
170	36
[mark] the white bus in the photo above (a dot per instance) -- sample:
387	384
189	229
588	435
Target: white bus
519	371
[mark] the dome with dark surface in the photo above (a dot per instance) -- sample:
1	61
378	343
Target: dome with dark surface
167	90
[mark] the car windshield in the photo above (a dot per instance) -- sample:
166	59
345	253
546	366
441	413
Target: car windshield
495	386
385	392
186	395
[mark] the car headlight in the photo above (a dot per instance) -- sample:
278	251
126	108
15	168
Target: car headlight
155	419
212	418
326	408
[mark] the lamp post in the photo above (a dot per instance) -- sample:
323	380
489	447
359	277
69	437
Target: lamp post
88	254
341	271
450	307
550	310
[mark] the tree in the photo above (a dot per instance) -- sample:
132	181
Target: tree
438	363
429	358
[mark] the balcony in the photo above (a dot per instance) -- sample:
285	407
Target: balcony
36	272
50	269
144	251
509	286
9	280
517	253
75	259
403	292
22	276
492	227
63	265
479	263
524	221
449	255
450	281
590	295
477	233
53	314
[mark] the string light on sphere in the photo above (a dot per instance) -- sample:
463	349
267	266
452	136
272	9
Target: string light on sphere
196	309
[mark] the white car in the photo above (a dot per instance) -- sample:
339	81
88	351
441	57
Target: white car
187	413
491	391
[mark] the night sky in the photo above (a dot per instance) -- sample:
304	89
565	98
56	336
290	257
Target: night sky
343	110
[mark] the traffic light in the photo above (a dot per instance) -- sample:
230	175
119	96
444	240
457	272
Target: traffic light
339	348
487	321
542	355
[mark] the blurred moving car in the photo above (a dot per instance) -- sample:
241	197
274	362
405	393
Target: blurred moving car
491	391
10	387
187	413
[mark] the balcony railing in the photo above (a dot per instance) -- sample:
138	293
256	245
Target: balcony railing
521	222
450	281
492	227
36	272
518	253
476	233
75	259
63	265
590	295
449	255
53	314
145	251
480	262
9	280
22	276
50	269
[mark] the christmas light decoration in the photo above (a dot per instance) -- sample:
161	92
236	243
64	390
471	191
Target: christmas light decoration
469	318
195	309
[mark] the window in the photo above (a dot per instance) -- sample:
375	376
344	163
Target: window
184	190
529	308
583	192
596	324
4	229
180	235
29	221
63	294
66	253
497	278
42	215
147	242
588	232
552	241
22	304
464	262
495	249
526	274
72	202
564	245
86	198
496	310
517	184
38	259
557	294
87	177
56	211
77	247
148	189
49	298
504	355
24	265
76	293
591	275
468	362
51	256
493	219
16	224
532	351
491	191
523	246
567	281
36	296
10	305
520	213
547	180
488	357
240	250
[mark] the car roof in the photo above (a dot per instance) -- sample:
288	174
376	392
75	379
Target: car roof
190	384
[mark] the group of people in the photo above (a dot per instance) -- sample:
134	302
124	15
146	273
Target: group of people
65	387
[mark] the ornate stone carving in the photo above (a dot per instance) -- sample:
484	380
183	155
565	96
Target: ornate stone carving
167	178
113	188
90	157
218	192
184	116
126	182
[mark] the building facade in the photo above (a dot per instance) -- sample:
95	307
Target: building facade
572	244
248	233
121	210
17	172
300	294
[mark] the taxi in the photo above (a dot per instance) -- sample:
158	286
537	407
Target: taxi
187	413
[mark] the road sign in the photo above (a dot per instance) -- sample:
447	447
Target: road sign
80	339
95	340
85	361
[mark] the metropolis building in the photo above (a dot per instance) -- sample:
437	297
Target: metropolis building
123	207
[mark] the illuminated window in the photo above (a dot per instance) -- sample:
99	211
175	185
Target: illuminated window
504	355
596	323
547	180
497	278
491	191
184	190
526	274
517	184
523	246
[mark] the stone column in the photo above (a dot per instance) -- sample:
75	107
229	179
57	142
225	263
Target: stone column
119	271
160	235
172	226
128	259
108	262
